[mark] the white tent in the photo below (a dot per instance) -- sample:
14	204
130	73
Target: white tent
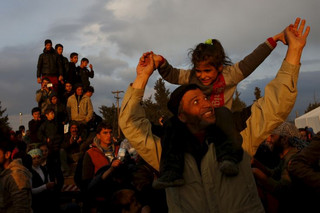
310	119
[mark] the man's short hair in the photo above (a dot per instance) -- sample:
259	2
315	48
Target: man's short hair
84	59
47	41
6	146
48	110
35	109
90	89
103	125
78	85
73	54
46	79
58	45
22	127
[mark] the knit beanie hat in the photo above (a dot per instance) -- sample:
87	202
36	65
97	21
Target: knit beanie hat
176	96
47	41
35	152
287	129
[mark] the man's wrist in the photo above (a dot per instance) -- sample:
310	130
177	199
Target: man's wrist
140	82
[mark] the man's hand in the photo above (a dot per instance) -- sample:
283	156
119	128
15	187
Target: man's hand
50	185
79	140
115	163
146	65
296	37
90	66
144	70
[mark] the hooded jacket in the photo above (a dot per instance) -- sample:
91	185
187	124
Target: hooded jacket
15	188
79	108
95	158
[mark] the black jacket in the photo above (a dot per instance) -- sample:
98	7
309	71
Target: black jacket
49	64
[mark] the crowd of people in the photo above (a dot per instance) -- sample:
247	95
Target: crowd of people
204	158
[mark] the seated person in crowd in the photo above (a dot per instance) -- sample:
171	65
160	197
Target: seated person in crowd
43	199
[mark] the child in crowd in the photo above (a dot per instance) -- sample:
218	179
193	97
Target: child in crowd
73	75
84	73
35	124
68	91
213	71
49	133
215	75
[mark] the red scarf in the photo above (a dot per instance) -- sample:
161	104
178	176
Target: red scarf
217	95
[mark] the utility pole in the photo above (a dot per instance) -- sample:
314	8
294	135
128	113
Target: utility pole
117	97
20	118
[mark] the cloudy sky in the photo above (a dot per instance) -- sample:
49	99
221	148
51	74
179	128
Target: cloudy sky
113	34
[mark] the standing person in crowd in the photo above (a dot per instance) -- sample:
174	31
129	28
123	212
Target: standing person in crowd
43	94
304	170
60	112
49	66
63	60
79	106
200	192
84	73
73	75
34	125
284	141
102	153
303	134
43	199
65	68
15	181
48	133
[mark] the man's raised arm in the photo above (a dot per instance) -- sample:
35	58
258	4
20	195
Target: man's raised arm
132	120
280	94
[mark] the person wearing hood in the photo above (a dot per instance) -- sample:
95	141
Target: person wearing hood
49	65
276	184
15	182
79	106
103	152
